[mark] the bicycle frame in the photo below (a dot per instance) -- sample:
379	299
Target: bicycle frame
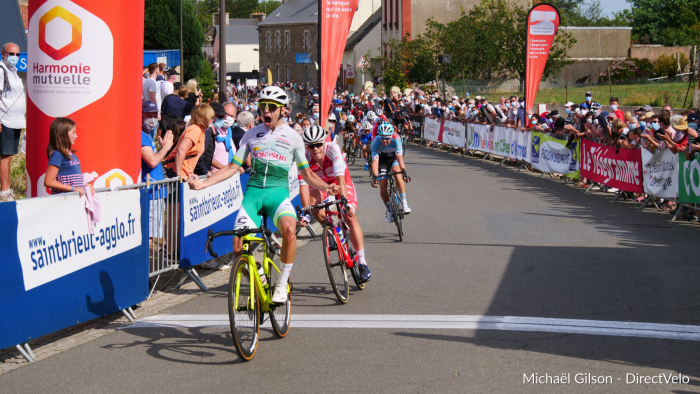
329	220
256	285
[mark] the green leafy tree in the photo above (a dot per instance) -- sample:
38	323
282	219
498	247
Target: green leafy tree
206	80
241	8
665	22
162	31
586	13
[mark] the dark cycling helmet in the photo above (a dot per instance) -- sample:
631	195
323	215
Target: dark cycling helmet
313	134
386	130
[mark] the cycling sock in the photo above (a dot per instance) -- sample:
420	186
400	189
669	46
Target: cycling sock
388	208
284	275
361	257
403	197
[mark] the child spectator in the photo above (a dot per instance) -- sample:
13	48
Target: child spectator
63	173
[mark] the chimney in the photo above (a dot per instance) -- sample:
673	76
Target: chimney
259	16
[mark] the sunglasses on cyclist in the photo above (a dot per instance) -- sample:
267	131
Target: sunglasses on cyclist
314	146
386	138
271	106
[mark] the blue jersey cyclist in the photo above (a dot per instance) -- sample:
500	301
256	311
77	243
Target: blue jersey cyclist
365	140
387	156
273	147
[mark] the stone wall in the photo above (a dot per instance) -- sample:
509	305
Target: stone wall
283	58
653	52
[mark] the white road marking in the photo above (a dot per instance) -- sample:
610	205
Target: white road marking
463	322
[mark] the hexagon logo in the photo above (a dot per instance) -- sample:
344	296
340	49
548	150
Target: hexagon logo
76	33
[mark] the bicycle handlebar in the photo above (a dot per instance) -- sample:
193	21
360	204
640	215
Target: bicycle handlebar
343	202
402	172
211	235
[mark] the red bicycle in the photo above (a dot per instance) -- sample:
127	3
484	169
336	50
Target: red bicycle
338	252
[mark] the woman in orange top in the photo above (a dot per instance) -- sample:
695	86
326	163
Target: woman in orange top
183	158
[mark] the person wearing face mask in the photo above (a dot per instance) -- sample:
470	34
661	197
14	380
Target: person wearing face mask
512	111
151	168
615	109
13	107
227	138
588	103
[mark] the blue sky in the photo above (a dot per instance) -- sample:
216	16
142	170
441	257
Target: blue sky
614	5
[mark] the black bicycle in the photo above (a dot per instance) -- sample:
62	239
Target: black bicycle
350	148
395	203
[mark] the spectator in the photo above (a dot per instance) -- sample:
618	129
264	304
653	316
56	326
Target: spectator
588	103
161	74
182	160
667	107
226	140
13	107
168	86
63	173
194	95
693	138
151	88
151	168
176	106
615	109
493	115
204	164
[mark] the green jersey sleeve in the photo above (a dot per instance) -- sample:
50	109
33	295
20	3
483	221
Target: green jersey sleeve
300	152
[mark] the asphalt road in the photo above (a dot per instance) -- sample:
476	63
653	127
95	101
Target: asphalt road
482	241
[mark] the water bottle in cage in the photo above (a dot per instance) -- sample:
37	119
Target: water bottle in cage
261	272
341	234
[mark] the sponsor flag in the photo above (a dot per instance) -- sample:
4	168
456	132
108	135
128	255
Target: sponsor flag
335	18
542	25
84	62
689	179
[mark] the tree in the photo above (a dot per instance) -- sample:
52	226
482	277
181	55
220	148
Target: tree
206	80
665	22
586	13
162	31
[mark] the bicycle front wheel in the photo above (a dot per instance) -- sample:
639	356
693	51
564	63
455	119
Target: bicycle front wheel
243	310
335	264
397	212
280	315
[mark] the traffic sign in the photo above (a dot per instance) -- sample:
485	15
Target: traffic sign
362	63
349	72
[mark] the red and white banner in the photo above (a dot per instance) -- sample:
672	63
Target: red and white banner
618	168
84	63
542	25
335	17
445	131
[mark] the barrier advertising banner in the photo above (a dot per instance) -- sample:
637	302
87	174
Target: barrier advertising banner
335	18
500	140
689	179
452	133
550	154
85	56
216	208
417	123
431	130
542	25
618	168
56	273
660	173
478	136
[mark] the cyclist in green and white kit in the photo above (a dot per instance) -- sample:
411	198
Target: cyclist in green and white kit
273	147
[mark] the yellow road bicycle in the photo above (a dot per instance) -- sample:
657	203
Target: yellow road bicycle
251	287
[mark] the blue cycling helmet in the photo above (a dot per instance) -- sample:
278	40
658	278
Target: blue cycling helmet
386	130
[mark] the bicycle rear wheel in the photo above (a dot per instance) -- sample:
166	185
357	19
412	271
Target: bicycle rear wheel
351	154
244	315
280	315
397	212
335	264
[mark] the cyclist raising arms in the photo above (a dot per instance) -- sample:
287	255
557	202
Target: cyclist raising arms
273	146
387	156
326	160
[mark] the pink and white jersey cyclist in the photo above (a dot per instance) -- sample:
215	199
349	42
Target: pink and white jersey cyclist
327	162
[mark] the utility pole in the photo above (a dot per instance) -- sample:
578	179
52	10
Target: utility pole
222	48
182	59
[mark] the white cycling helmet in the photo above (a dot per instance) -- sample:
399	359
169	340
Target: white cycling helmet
371	116
385	130
380	112
313	134
275	94
332	117
367	126
351	118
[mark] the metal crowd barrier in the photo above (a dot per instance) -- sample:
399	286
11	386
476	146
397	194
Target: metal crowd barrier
162	224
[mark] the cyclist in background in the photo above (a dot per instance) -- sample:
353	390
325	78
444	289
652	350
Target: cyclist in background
387	156
326	160
274	146
365	140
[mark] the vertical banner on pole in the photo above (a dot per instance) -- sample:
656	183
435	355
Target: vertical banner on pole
335	18
84	63
542	25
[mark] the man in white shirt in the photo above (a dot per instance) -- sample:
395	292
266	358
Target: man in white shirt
151	92
167	87
13	106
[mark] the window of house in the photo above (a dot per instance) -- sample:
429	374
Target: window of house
277	41
288	78
269	42
278	73
286	41
306	42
